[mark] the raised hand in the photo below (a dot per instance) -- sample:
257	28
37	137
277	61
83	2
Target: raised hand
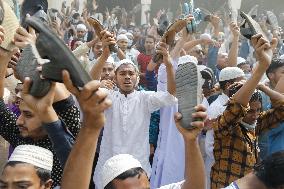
192	134
263	50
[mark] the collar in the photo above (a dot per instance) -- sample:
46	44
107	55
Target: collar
249	127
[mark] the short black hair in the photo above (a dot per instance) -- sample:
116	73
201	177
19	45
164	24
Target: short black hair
275	64
270	170
223	83
43	174
127	174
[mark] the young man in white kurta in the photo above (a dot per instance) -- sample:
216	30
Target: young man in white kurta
127	122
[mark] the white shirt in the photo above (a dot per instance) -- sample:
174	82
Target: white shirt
173	186
126	129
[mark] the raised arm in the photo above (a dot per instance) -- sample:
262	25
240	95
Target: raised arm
162	48
264	54
107	40
233	53
93	102
194	165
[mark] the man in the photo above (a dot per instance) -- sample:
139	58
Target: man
144	59
235	150
272	141
28	167
28	127
226	78
123	53
245	66
123	170
266	175
128	120
81	31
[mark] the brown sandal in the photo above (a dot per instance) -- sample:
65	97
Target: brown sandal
169	35
98	28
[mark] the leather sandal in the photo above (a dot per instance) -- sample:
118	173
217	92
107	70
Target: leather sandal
250	27
51	47
98	28
169	36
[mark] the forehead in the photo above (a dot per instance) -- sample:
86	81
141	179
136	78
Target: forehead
19	172
255	105
98	44
137	182
122	41
24	107
149	39
280	69
108	65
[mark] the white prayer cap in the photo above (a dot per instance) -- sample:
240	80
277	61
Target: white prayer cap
117	165
35	155
230	73
81	27
110	60
282	57
205	36
125	61
187	58
241	60
121	37
128	34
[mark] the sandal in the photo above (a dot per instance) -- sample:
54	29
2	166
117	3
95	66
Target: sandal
272	19
10	24
163	24
169	36
188	92
51	47
252	29
98	28
27	67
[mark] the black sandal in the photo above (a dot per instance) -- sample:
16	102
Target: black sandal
51	47
27	67
252	29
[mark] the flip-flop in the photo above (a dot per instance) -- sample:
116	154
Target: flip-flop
272	19
188	92
252	29
98	28
51	47
27	67
169	36
163	24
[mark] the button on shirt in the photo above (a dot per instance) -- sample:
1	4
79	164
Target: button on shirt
127	126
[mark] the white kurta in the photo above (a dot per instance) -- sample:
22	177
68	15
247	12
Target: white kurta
214	110
168	163
127	126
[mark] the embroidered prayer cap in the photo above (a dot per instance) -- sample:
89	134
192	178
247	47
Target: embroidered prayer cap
110	60
81	27
35	155
230	73
117	165
241	60
10	24
125	61
122	37
186	59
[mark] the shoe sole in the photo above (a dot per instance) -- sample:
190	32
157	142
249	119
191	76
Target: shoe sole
27	67
188	92
51	47
254	27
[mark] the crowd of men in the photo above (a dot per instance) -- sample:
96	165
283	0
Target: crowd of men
109	119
